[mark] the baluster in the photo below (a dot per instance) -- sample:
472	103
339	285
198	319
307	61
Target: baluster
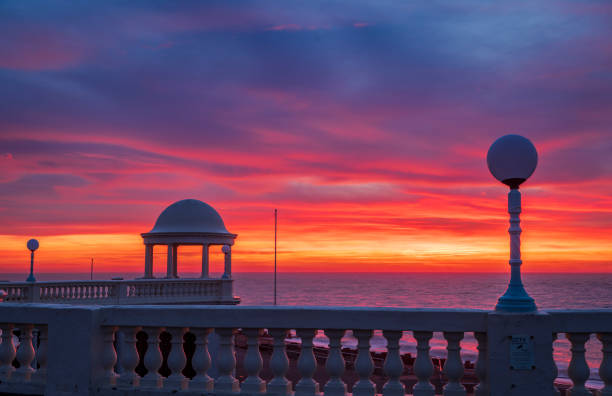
7	352
109	356
153	359
555	369
482	389
307	364
605	369
279	363
129	358
40	375
578	369
335	364
201	362
453	367
25	354
393	364
364	366
253	363
226	362
176	359
423	367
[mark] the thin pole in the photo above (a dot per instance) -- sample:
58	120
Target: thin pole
91	270
275	226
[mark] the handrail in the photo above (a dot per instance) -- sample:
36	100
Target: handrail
298	317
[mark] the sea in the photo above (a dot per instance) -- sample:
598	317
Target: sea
419	290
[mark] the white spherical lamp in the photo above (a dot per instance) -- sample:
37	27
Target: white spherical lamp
512	159
32	244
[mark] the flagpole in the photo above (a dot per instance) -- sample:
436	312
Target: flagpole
275	226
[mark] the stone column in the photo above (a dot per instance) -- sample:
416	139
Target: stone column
148	270
205	265
227	273
174	261
170	262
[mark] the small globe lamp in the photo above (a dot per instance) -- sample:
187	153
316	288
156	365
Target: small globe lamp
32	246
511	160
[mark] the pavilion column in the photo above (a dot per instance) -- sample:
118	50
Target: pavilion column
170	262
148	270
205	264
227	273
174	261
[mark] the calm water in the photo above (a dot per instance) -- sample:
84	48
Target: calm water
478	291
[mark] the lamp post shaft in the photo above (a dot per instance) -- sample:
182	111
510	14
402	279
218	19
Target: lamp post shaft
514	209
516	298
31	276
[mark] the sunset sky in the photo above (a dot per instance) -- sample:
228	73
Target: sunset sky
366	123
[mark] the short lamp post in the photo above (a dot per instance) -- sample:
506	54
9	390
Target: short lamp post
511	160
32	246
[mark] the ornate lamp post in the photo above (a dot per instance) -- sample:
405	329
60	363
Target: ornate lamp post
32	246
511	160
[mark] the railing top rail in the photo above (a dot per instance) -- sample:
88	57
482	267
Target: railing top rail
419	319
290	317
111	282
581	320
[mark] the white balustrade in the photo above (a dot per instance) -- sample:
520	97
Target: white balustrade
153	359
226	361
307	364
104	322
129	358
201	361
453	367
335	364
139	291
605	369
7	352
364	366
253	363
578	369
176	360
555	369
393	364
40	374
482	389
423	367
108	356
25	354
279	363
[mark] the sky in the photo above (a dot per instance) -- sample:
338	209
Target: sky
366	123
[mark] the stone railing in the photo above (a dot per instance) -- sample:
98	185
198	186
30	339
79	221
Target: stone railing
121	350
137	291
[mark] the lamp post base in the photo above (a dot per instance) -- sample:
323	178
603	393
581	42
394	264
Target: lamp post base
516	301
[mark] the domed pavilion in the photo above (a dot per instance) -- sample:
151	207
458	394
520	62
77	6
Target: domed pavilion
188	222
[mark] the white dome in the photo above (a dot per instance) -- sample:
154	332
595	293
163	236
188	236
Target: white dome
189	215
